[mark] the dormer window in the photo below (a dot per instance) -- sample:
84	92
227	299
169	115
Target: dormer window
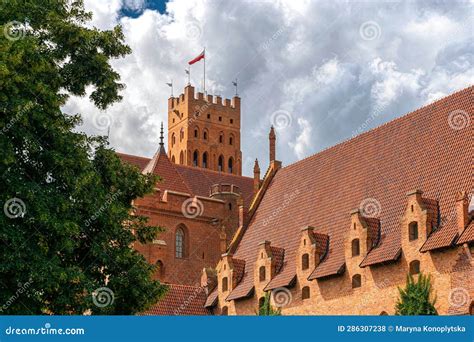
355	247
413	231
305	261
356	281
261	273
414	267
305	294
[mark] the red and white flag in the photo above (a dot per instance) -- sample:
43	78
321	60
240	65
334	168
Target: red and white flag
198	58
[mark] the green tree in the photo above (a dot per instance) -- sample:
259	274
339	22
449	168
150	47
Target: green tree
67	225
266	309
415	298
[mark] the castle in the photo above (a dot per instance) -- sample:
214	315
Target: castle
335	233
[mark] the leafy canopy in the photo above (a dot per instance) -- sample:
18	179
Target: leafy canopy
66	228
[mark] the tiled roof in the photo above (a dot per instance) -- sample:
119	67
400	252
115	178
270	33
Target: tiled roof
187	179
239	268
279	255
180	300
211	299
420	150
468	234
243	289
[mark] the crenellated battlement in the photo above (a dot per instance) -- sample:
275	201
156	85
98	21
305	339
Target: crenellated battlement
224	189
189	96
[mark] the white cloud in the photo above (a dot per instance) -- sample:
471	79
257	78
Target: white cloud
303	57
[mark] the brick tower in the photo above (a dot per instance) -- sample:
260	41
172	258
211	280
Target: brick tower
204	131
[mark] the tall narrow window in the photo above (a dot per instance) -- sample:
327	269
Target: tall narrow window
181	158
220	164
173	139
231	165
225	284
196	133
160	268
179	243
196	158
355	247
204	160
305	292
261	273
204	135
356	281
221	138
413	231
414	267
305	261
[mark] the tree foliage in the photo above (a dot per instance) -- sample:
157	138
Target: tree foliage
66	222
266	308
415	298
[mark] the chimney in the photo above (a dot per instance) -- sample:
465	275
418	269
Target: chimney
256	177
462	206
272	138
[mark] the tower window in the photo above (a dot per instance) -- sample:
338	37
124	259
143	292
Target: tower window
230	206
204	160
220	164
221	138
196	133
205	135
220	118
261	273
196	158
414	267
355	247
173	139
356	281
208	116
179	243
231	165
231	121
181	157
413	231
305	292
231	141
305	261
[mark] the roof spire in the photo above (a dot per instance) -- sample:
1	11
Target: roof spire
162	145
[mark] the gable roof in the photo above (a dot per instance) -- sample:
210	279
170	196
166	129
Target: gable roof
420	150
193	180
180	300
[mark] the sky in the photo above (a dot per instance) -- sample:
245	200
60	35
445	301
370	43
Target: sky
321	72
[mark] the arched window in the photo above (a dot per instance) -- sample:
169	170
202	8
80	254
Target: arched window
305	261
261	302
160	268
221	137
204	134
230	165
220	164
196	133
383	313
181	134
204	160
414	267
181	157
173	139
225	311
355	247
261	273
356	281
173	160
413	231
196	158
179	243
231	139
305	292
225	284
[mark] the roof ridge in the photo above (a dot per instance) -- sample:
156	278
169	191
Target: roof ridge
132	155
370	131
211	171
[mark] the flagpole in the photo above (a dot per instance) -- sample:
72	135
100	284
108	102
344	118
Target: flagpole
205	70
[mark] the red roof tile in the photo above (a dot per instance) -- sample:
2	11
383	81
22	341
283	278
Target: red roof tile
419	150
180	300
212	299
468	234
